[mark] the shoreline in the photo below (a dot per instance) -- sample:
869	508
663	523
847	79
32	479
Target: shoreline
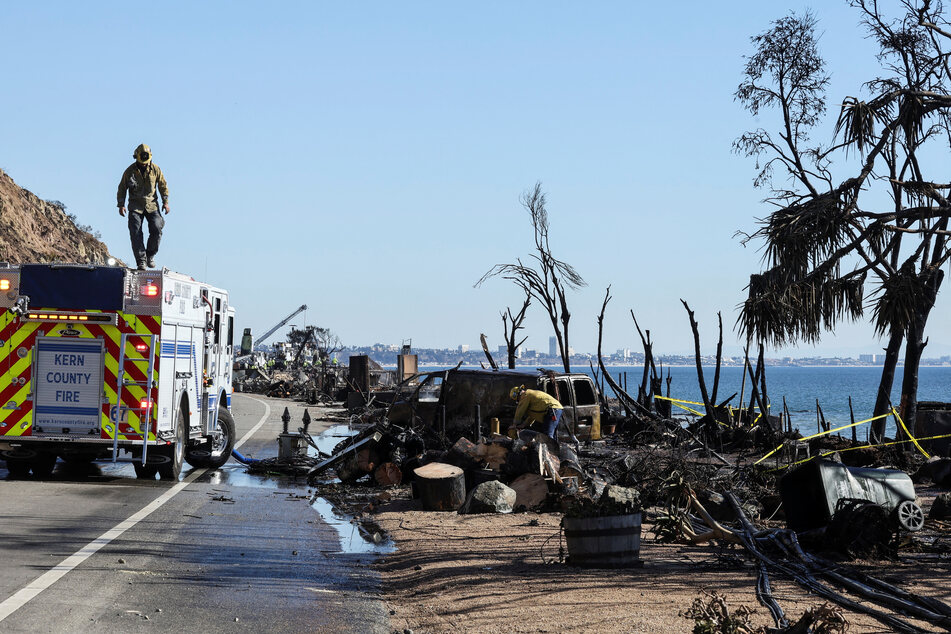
676	365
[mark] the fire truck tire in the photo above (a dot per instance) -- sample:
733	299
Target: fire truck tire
43	465
223	443
145	471
215	452
172	469
18	462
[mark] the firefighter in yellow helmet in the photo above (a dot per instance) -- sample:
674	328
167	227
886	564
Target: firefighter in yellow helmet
141	181
536	409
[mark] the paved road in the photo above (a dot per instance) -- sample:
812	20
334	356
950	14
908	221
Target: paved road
220	551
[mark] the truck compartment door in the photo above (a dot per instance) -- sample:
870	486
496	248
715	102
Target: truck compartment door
67	386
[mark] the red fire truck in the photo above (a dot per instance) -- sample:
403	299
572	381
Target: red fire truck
104	362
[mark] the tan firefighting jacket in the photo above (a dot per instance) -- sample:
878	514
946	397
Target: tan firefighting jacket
533	404
141	186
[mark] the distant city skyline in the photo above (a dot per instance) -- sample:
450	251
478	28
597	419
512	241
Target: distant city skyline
529	356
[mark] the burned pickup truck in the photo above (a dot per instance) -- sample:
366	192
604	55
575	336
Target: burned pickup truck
451	401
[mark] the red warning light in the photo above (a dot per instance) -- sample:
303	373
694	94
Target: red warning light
151	290
4	285
145	404
141	347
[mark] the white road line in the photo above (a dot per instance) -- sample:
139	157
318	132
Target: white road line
253	430
28	592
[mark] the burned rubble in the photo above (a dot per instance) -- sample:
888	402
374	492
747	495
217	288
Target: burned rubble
798	508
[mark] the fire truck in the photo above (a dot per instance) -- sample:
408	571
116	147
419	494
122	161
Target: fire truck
105	362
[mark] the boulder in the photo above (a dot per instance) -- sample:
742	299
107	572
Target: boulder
720	510
618	500
937	469
716	505
489	497
941	509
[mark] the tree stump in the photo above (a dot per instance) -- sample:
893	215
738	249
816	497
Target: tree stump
441	487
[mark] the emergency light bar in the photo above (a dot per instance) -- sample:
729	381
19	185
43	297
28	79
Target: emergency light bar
59	317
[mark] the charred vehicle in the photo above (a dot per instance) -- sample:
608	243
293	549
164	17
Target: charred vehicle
448	401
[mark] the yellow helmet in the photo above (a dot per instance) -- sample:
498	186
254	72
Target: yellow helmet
143	154
515	391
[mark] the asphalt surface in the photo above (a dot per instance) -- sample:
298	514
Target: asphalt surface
96	550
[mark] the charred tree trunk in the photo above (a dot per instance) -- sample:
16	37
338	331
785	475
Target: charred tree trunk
629	404
488	355
756	398
915	346
716	373
516	320
883	399
746	364
763	396
650	371
708	408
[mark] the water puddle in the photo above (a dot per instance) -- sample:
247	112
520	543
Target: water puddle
235	474
356	535
331	437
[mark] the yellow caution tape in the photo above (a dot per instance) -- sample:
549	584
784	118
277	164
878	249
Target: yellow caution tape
829	453
908	433
683	407
676	400
679	403
823	433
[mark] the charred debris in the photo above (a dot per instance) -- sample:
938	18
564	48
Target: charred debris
731	475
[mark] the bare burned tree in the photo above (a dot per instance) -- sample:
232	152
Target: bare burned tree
650	380
516	322
547	278
825	237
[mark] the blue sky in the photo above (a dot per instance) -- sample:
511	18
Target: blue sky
367	158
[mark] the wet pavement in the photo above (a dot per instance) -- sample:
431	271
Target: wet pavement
225	551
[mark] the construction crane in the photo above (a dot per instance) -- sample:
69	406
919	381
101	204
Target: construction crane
247	333
270	332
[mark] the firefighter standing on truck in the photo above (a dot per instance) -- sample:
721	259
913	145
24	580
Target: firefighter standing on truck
141	180
536	409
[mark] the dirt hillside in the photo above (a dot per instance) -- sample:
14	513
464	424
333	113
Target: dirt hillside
35	230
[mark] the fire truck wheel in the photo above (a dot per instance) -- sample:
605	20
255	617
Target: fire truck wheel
43	465
172	469
223	442
18	462
145	471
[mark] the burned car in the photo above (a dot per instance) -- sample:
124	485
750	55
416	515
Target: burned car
450	400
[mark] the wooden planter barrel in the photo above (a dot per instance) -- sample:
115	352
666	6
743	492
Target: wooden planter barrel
604	542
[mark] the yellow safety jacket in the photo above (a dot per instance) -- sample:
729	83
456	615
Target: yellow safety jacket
141	185
533	404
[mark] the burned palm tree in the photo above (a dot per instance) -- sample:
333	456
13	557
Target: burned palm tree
821	243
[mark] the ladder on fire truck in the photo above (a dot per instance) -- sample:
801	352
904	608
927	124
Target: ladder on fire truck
144	409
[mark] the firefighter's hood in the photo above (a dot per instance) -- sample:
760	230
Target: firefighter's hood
143	154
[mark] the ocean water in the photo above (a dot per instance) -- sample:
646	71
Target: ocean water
801	386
